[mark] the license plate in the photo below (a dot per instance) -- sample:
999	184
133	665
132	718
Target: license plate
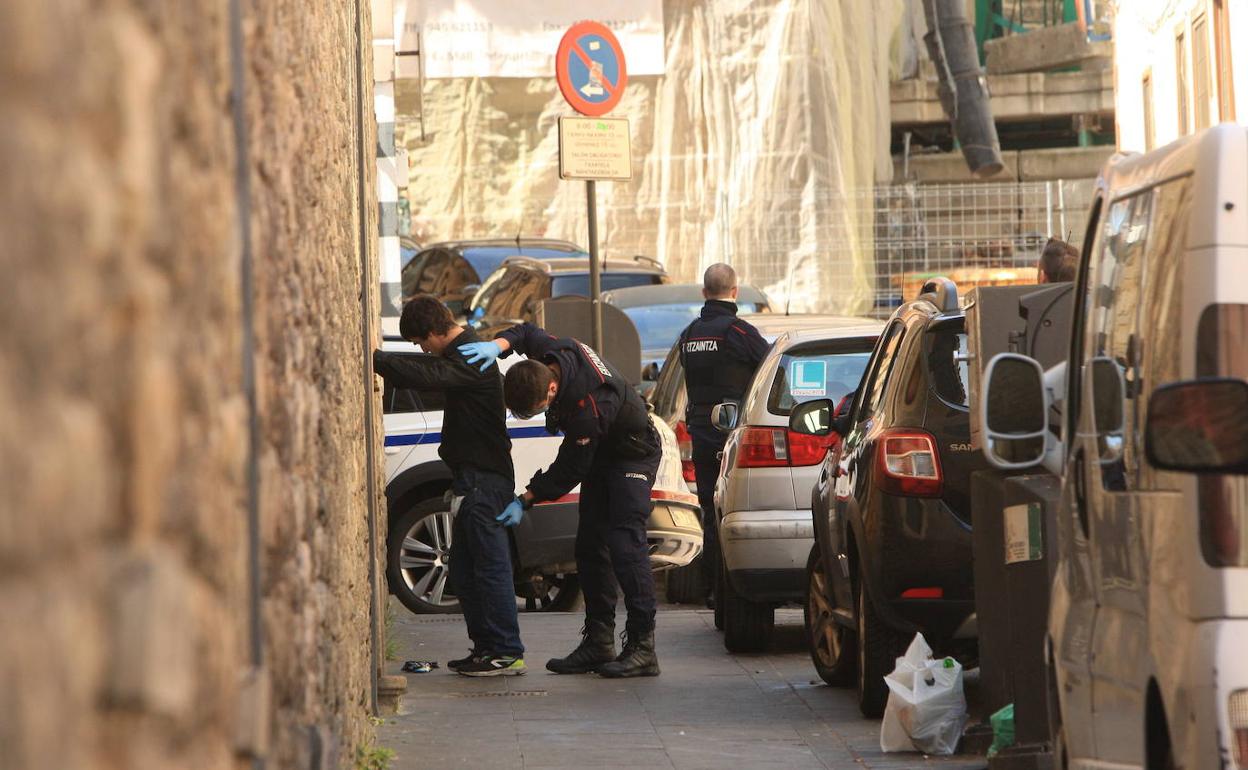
686	519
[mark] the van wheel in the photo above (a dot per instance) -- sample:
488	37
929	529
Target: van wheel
833	647
879	646
418	555
747	625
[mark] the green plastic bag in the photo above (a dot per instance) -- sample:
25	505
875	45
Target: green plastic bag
1002	730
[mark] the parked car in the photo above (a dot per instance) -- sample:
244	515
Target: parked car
455	270
668	400
767	471
419	535
1148	620
515	290
891	508
662	312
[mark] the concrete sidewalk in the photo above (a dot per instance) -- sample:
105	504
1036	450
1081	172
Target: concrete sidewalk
708	709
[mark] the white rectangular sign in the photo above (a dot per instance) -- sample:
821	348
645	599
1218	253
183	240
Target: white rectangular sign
595	148
518	38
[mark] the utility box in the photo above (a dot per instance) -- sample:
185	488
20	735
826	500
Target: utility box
1015	522
1014	542
570	317
1031	320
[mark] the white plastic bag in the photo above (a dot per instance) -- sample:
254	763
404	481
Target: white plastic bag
926	708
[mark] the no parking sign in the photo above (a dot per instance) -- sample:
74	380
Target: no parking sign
589	67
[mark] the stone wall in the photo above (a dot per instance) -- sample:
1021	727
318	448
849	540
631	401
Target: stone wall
124	444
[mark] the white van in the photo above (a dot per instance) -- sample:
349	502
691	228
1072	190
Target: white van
1148	623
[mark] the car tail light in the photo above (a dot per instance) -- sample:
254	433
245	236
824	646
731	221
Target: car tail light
780	448
1237	712
809	450
685	442
763	448
907	463
923	593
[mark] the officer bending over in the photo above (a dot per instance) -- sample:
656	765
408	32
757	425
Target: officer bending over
720	354
476	448
613	451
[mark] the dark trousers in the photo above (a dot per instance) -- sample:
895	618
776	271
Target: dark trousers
708	444
611	546
481	574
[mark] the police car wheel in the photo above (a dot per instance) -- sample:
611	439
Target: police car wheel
418	559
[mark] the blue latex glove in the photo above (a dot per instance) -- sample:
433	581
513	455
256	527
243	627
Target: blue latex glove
512	514
487	352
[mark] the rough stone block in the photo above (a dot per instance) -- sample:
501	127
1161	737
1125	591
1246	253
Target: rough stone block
1045	48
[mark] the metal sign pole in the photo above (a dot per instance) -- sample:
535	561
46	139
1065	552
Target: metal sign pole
595	277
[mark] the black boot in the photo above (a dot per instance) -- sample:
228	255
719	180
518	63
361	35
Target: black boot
637	659
596	648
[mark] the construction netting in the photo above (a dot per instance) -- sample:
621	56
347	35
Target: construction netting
768	112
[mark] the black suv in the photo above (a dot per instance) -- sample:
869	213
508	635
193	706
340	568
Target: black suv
891	507
515	291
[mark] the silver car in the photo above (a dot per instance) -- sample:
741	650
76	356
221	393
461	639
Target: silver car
762	497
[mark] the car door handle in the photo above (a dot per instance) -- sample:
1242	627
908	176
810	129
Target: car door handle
392	450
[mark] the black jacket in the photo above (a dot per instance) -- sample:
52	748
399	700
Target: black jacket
720	354
474	426
602	417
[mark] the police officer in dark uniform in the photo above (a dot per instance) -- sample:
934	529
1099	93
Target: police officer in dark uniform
720	354
610	449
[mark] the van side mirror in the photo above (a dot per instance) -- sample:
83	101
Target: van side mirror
1198	426
812	418
1014	412
724	416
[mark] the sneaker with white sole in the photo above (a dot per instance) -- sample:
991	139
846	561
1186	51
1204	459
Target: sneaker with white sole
458	663
493	665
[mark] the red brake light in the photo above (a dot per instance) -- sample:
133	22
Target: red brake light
763	448
908	464
685	441
923	593
781	448
809	450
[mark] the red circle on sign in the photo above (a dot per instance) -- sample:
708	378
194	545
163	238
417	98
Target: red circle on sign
570	46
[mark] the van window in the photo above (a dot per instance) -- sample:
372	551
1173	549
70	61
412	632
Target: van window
1118	279
402	400
1222	351
1161	306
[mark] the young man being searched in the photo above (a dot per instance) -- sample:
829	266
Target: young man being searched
610	449
476	448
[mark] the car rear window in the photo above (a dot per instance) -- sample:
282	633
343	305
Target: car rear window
829	370
658	326
577	285
948	366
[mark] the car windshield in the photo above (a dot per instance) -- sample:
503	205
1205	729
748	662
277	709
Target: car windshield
658	326
829	370
577	285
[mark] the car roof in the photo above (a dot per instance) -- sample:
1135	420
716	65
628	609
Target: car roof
813	326
673	293
578	265
512	245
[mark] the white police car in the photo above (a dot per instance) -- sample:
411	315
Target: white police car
419	535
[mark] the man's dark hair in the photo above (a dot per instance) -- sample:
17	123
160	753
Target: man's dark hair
1059	260
424	315
526	385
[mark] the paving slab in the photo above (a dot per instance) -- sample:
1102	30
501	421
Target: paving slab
708	709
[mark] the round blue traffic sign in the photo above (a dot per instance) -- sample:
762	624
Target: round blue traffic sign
589	68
